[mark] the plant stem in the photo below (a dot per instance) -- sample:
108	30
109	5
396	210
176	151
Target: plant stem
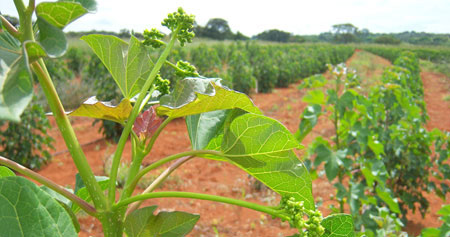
201	196
25	20
10	28
134	113
159	180
69	135
128	190
88	208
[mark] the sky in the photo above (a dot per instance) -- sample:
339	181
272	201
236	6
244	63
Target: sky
252	17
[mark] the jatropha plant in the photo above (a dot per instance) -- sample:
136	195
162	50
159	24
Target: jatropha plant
223	125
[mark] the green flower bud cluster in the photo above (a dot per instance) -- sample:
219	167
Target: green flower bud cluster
153	38
186	70
183	22
162	85
296	210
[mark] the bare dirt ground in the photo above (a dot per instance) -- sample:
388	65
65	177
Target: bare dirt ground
219	178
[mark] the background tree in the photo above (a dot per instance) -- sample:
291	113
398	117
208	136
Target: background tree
274	35
345	33
387	39
217	28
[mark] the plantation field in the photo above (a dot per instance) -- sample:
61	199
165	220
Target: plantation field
224	179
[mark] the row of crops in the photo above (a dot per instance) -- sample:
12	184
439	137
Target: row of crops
380	158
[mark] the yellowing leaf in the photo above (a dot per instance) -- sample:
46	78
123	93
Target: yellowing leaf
104	110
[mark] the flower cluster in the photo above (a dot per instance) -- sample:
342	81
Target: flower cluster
297	211
182	22
162	85
186	69
153	38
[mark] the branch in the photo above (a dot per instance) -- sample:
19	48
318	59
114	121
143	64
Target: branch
52	185
159	180
10	28
257	207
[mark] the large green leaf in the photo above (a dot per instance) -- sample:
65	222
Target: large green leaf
199	95
16	88
104	110
51	38
204	127
90	5
129	64
60	14
339	225
26	210
5	172
263	147
142	222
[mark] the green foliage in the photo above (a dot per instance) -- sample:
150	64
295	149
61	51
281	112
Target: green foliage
386	39
223	125
142	222
27	142
29	211
380	145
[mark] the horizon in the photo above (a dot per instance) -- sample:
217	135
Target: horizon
379	17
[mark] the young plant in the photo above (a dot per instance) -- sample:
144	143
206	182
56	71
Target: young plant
223	125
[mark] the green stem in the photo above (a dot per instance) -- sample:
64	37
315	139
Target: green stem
159	180
201	196
68	135
88	208
10	28
134	113
25	20
128	190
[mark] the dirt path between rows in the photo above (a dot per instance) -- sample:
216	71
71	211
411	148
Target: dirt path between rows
219	178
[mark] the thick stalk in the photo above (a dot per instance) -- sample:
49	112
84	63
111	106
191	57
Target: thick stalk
25	20
88	208
201	196
158	181
68	134
134	113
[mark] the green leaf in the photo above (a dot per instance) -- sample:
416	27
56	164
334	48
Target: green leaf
142	222
82	192
34	50
315	97
263	147
93	108
338	225
129	65
26	210
60	14
16	88
9	47
387	198
51	38
65	203
332	160
198	95
444	211
5	172
90	5
204	127
308	120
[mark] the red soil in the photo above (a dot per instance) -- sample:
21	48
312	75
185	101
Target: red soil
219	178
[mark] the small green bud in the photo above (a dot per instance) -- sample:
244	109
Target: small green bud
152	38
162	85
